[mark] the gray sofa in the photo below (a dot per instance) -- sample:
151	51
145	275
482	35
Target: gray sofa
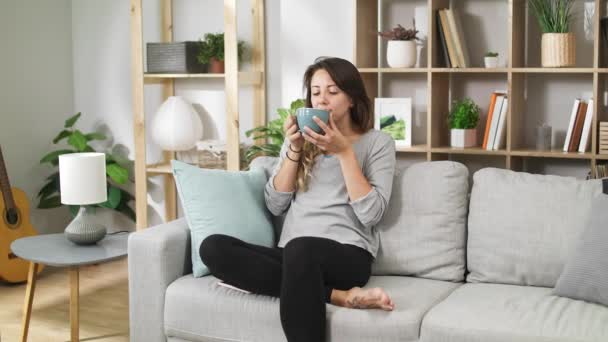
461	264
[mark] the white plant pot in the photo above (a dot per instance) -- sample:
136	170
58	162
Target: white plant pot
490	62
463	137
401	53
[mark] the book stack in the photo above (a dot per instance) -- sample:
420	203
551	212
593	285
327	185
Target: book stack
604	137
601	171
496	123
578	137
451	38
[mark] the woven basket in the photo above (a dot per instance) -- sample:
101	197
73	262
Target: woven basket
603	138
558	50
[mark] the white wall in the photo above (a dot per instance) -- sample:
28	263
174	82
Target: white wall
35	94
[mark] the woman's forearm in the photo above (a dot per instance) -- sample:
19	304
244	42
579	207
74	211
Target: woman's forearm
285	179
357	185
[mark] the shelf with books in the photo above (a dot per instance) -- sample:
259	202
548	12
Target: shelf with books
455	22
549	100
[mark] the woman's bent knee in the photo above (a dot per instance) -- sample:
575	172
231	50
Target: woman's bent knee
212	246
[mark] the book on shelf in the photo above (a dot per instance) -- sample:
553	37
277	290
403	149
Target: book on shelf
456	27
494	124
444	47
449	38
573	113
578	127
586	132
501	130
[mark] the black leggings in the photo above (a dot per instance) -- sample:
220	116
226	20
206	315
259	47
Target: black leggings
303	275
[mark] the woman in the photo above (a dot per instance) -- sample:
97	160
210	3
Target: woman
334	188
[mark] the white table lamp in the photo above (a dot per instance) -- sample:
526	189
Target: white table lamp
82	178
176	126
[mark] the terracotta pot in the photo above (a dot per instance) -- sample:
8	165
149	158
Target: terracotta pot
216	66
558	50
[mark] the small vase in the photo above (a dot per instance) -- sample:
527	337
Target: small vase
401	53
558	50
216	66
490	62
463	137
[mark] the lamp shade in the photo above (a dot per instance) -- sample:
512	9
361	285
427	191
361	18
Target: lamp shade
176	126
82	178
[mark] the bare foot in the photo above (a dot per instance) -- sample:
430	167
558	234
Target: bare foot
374	298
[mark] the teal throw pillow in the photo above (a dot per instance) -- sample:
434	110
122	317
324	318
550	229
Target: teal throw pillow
223	202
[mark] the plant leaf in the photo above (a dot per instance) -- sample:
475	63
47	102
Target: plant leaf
48	189
78	140
117	173
126	210
71	121
61	135
74	209
53	157
114	196
94	136
50	202
283	113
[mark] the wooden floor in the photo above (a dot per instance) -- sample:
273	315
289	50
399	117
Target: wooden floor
104	305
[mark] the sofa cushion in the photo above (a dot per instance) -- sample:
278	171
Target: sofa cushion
523	227
209	202
585	276
423	233
506	313
198	309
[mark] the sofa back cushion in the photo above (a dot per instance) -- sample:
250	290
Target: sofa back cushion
522	227
423	232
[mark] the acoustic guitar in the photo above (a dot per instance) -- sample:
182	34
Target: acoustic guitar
14	224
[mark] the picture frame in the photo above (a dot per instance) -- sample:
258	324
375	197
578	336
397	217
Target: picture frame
394	116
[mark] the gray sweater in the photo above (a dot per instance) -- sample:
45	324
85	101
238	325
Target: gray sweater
325	210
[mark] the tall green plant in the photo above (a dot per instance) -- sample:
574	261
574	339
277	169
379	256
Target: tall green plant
116	173
554	16
272	133
464	114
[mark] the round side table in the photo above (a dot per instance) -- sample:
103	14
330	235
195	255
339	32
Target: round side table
56	250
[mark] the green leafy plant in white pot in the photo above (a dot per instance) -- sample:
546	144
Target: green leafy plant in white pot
558	44
490	59
401	49
463	120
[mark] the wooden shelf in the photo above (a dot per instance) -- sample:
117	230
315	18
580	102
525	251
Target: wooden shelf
394	70
601	156
531	152
245	77
413	148
159	169
471	70
554	70
468	150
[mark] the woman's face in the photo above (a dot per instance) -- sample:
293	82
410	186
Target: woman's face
324	94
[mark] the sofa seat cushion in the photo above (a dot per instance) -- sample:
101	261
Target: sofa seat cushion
198	309
505	313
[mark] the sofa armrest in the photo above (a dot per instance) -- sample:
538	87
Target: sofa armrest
157	257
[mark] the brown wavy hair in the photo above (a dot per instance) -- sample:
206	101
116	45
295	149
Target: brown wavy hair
347	78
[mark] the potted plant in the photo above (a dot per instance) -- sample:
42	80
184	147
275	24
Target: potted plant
211	52
117	172
272	133
490	59
401	49
462	121
558	44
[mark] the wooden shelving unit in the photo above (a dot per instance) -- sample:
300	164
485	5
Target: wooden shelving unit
369	58
232	80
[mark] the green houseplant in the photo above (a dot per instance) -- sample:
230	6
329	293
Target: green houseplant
272	133
558	44
117	174
463	120
490	59
211	51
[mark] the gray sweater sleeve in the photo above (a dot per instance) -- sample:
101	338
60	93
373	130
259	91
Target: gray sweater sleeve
277	202
379	171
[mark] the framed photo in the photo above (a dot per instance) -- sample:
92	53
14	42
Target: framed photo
394	116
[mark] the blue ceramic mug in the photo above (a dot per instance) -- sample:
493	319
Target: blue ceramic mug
305	115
